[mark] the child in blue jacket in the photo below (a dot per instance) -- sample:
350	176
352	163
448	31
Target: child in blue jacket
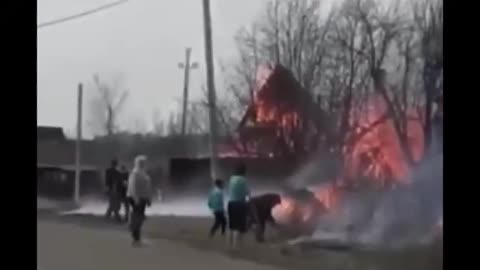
216	205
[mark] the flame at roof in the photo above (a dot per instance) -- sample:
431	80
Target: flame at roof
280	110
277	92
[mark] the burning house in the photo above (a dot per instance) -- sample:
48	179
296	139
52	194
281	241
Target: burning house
283	126
380	150
279	127
282	120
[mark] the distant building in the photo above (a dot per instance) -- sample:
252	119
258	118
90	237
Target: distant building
56	166
50	134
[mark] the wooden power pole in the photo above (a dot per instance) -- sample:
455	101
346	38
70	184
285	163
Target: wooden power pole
207	23
186	79
78	169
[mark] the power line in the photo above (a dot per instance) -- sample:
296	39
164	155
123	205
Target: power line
82	14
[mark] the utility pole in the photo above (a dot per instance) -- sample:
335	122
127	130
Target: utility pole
78	169
187	66
207	23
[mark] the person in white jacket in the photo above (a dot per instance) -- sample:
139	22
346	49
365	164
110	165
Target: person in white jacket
139	193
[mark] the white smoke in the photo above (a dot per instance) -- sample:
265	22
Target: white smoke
193	207
402	216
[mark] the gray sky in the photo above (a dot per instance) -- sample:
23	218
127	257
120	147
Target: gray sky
142	39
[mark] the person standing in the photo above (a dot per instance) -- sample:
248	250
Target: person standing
237	208
112	182
139	192
123	191
216	205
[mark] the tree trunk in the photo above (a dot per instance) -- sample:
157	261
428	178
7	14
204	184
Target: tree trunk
428	84
378	77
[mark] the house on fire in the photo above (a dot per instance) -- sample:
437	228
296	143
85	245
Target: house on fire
282	123
56	166
283	118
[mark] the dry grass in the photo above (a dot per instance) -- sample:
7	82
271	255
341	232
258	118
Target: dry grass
193	231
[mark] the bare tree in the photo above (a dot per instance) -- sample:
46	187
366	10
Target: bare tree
428	16
344	57
174	124
138	126
290	33
158	124
228	114
245	69
345	71
392	37
107	104
380	26
197	122
294	36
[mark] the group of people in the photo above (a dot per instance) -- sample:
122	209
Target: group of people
243	210
132	190
116	182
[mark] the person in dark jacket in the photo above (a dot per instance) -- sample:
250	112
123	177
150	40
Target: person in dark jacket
260	213
112	182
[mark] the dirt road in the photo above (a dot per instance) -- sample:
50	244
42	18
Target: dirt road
65	246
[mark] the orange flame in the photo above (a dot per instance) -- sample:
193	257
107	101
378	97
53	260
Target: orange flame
328	196
305	214
375	151
378	153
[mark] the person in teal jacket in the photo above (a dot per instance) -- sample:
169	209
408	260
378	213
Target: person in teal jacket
216	205
239	193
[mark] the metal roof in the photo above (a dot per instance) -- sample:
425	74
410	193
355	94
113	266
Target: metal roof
67	167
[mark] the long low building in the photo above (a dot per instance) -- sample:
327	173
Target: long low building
56	167
58	181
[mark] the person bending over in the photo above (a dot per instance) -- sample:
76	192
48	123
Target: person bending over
216	205
260	213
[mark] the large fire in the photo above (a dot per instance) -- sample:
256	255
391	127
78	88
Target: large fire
275	121
376	156
300	212
373	153
377	153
